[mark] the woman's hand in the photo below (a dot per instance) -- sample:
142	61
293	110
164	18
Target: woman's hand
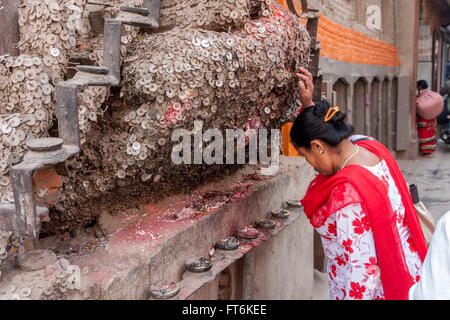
306	86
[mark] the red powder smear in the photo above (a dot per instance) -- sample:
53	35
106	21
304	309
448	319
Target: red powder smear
171	113
249	231
156	225
100	276
253	176
50	270
264	235
157	222
246	246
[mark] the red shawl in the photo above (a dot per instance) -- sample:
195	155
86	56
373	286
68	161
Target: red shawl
395	276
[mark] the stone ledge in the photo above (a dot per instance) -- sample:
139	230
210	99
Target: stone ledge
146	247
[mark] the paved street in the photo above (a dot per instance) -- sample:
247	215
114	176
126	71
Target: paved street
432	176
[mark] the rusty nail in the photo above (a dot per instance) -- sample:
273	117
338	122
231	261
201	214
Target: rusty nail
198	265
265	224
164	290
247	233
230	243
281	213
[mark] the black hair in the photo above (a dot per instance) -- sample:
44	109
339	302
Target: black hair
422	84
310	125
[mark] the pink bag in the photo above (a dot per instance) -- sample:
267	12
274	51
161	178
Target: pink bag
429	104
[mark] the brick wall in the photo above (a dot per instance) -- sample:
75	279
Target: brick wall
344	34
353	14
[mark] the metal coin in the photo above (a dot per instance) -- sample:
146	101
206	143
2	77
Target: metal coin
54	52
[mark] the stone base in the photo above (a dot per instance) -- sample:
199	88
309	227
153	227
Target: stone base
148	245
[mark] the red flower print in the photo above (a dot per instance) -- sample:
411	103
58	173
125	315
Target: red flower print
332	228
357	291
341	260
412	247
398	217
345	293
348	245
404	224
361	225
371	267
386	181
417	278
333	270
339	193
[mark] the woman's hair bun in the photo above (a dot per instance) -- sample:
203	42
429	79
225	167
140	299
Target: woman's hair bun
321	109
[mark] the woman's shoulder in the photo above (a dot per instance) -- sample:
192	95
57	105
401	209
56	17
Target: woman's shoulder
342	195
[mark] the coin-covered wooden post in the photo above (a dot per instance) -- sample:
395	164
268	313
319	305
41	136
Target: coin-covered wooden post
9	22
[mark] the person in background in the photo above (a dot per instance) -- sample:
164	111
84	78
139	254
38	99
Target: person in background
359	204
426	129
434	283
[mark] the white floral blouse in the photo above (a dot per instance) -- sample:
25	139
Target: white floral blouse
348	241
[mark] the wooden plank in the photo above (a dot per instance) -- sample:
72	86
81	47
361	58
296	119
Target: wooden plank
10	27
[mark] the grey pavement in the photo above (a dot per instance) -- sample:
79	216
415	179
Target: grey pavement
432	177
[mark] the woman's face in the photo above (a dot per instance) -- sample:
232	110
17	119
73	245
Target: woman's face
319	156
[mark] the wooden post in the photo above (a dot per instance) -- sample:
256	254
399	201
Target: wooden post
9	26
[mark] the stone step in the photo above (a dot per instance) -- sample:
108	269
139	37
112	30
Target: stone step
82	79
142	11
137	20
45	144
92	69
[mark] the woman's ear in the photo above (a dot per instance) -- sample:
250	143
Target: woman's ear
318	146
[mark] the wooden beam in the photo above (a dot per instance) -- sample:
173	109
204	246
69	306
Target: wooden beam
9	26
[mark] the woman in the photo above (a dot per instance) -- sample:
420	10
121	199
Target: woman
359	204
425	128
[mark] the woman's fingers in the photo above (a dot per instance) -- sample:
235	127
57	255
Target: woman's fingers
306	87
301	86
306	80
305	72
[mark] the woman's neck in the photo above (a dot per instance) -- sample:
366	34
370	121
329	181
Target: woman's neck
343	151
